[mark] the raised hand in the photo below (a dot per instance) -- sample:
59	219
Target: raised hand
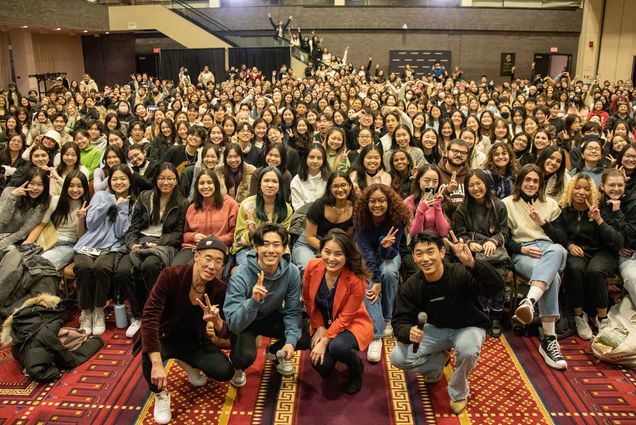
389	239
83	211
259	292
534	215
461	250
211	312
21	190
452	184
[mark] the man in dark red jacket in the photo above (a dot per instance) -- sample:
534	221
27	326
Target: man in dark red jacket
181	304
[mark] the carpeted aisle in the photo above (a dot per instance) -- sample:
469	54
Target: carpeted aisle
511	385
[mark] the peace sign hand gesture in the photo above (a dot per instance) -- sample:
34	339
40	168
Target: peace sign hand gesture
389	239
594	213
210	312
452	184
21	190
534	215
461	250
83	211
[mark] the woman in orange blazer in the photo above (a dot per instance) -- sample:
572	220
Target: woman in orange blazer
333	291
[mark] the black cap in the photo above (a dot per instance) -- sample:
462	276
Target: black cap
211	242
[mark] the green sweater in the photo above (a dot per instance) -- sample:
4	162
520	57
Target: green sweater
90	158
242	237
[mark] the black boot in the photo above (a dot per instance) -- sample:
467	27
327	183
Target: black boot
496	327
355	378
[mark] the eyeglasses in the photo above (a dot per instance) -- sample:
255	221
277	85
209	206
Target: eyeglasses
206	260
380	201
458	153
593	148
337	187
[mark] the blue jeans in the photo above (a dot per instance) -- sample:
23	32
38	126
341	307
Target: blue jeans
429	358
375	311
390	271
302	253
60	254
545	269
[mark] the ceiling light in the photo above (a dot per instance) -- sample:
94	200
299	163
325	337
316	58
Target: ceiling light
107	32
24	26
58	29
85	31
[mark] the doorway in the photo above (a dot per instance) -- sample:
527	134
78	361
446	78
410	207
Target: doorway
552	64
147	64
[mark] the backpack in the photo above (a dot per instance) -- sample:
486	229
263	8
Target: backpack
617	342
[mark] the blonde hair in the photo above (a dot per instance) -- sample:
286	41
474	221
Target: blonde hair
566	199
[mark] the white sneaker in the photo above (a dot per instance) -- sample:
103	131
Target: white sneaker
388	330
602	324
374	352
162	413
195	376
239	379
99	321
86	321
284	367
525	312
582	327
135	324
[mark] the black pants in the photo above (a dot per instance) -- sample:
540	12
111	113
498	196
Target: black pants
343	348
587	277
136	286
207	357
244	344
185	256
93	276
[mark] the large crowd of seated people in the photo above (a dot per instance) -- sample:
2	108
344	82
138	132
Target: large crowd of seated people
337	206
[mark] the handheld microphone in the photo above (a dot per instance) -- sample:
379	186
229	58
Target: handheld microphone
280	355
422	318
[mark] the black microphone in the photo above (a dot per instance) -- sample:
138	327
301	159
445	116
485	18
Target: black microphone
422	318
280	355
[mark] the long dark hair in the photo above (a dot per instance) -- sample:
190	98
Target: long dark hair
325	171
155	216
66	146
280	205
469	202
353	258
112	211
416	190
228	176
358	166
169	140
281	151
523	172
118	152
63	209
560	173
511	168
328	198
217	197
26	202
396	177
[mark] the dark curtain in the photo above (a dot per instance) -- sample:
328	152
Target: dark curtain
194	60
266	59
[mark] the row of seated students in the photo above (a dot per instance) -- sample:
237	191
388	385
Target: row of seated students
124	218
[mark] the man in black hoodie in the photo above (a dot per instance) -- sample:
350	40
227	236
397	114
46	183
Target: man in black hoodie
448	293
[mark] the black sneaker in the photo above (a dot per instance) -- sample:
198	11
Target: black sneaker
496	327
551	352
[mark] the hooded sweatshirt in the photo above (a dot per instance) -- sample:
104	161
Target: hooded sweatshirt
454	199
284	292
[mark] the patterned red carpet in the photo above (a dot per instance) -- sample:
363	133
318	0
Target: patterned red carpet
511	385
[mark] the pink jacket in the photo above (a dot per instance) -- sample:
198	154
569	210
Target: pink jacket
210	221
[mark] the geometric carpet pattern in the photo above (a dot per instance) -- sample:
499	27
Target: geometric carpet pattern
511	385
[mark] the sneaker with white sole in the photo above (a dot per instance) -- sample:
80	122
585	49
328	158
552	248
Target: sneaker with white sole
388	330
135	325
525	312
162	413
374	352
86	321
550	350
284	367
602	324
99	321
196	377
239	379
583	327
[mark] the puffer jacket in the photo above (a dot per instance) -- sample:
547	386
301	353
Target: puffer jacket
33	331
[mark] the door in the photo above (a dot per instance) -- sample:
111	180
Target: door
559	64
147	64
542	64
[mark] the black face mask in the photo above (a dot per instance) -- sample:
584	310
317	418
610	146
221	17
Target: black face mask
505	115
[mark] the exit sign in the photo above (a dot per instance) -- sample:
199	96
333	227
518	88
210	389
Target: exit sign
554	49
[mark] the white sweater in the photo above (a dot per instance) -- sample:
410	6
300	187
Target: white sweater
306	192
